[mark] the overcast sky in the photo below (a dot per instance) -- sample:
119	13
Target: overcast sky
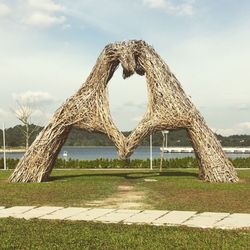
48	48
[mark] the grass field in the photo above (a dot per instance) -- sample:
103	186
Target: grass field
174	189
37	234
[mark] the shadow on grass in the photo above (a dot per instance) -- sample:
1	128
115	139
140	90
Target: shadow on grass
128	176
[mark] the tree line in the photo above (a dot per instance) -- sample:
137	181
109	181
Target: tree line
77	137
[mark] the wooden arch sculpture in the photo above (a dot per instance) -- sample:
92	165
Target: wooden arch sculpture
168	108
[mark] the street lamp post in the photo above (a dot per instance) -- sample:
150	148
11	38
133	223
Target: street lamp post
151	153
4	150
164	145
165	133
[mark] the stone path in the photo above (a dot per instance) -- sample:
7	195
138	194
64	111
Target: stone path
131	216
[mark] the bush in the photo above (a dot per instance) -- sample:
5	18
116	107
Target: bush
11	163
187	162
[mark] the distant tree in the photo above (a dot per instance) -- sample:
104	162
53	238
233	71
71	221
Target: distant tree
23	113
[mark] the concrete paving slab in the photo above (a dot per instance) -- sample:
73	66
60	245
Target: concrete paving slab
14	211
146	216
62	214
37	212
236	220
174	218
205	220
91	214
117	216
127	211
153	217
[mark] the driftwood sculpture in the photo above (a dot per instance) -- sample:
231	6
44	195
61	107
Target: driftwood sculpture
168	108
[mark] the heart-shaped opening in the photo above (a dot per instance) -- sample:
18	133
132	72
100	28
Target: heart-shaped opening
127	100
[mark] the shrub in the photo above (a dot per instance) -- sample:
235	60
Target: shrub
187	162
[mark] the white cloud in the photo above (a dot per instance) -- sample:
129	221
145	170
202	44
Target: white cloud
245	125
41	116
46	5
4	10
5	116
137	118
40	19
66	26
36	115
243	106
39	104
155	3
33	98
185	8
43	13
238	129
3	112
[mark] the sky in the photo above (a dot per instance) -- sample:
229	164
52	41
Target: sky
48	48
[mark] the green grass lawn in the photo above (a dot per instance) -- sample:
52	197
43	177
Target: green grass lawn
65	188
175	189
182	190
37	234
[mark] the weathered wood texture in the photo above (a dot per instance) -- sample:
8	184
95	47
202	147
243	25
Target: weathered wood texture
168	108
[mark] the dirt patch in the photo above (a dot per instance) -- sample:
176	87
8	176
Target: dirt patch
125	198
150	180
125	188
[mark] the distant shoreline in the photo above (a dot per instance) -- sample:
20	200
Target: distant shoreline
22	150
13	150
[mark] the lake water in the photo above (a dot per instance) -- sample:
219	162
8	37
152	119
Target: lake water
91	153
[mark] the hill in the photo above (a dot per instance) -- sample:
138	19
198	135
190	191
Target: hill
78	137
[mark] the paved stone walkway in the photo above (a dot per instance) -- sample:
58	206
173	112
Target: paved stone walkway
125	216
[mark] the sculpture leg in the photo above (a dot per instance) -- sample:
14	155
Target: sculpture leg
37	163
213	163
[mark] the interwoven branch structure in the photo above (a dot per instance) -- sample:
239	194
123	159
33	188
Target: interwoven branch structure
168	108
